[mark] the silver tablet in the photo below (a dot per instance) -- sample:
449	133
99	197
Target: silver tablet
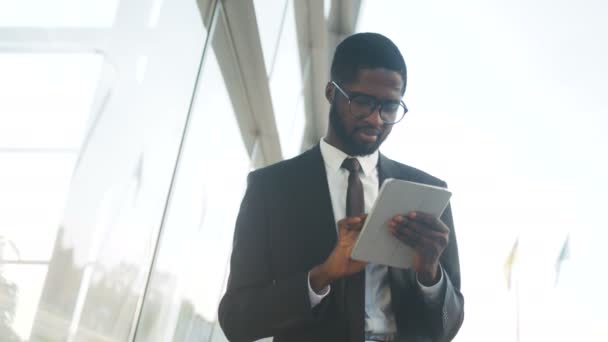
376	244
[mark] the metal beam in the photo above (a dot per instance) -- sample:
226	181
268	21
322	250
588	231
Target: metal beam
342	20
318	38
238	48
313	41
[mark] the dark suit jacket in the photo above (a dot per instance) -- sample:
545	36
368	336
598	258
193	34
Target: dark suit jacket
285	227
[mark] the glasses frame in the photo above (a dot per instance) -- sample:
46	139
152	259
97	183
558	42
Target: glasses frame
377	105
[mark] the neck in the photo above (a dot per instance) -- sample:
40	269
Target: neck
332	139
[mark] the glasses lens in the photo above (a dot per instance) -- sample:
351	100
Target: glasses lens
392	112
362	105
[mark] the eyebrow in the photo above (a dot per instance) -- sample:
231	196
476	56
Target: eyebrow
356	93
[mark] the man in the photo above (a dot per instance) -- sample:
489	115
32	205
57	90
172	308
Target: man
291	272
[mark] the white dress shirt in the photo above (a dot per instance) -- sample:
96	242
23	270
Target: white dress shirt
379	316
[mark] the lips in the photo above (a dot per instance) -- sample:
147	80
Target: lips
368	134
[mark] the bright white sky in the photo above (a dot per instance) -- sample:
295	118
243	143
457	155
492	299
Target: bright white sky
505	105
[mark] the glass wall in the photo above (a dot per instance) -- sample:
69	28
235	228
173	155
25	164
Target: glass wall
123	165
97	99
192	264
46	97
285	71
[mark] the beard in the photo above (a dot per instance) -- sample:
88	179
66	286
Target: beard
355	148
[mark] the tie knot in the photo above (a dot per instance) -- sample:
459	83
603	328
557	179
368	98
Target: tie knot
352	165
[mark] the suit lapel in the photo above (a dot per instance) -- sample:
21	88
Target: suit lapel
389	169
315	191
323	229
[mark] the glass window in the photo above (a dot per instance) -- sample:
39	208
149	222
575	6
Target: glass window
191	267
22	283
286	86
270	16
327	4
88	143
47	98
58	13
27	190
293	145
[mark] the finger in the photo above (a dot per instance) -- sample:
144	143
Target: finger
347	222
440	238
408	237
398	220
426	230
350	225
422	244
433	222
356	227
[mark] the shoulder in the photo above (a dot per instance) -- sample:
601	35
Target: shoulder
399	170
285	170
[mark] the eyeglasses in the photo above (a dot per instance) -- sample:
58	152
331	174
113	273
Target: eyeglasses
362	105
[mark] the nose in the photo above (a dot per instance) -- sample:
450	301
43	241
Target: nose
373	119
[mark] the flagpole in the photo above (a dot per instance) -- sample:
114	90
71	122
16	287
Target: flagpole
517	328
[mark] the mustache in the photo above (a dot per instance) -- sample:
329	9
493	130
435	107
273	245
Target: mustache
369	130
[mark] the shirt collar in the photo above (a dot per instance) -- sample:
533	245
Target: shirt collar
334	157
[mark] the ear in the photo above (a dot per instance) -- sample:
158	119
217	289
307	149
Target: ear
330	91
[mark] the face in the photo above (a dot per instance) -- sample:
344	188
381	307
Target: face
360	137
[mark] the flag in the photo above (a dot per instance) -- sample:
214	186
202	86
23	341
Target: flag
511	259
564	254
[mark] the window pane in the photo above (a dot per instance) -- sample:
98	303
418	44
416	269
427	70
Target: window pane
32	201
292	142
191	268
46	98
57	13
286	84
118	191
269	16
19	293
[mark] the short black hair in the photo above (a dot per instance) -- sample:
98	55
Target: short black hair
366	51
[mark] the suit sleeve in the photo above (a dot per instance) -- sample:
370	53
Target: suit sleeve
256	304
423	319
446	316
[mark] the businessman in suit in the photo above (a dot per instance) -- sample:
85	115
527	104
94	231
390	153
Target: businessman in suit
291	273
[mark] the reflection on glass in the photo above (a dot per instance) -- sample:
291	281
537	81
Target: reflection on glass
286	84
190	271
58	13
47	103
117	193
270	15
27	190
327	8
46	98
19	292
293	146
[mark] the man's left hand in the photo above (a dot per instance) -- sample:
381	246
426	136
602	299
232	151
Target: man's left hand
428	236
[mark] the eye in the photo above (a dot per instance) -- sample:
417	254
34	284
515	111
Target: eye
364	101
391	107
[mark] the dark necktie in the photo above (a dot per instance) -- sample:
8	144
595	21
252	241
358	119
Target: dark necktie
354	287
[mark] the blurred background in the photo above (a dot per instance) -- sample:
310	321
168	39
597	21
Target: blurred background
127	129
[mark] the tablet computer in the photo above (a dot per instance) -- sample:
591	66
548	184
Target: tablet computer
376	244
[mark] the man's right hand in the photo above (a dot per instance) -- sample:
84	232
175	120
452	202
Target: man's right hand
339	263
